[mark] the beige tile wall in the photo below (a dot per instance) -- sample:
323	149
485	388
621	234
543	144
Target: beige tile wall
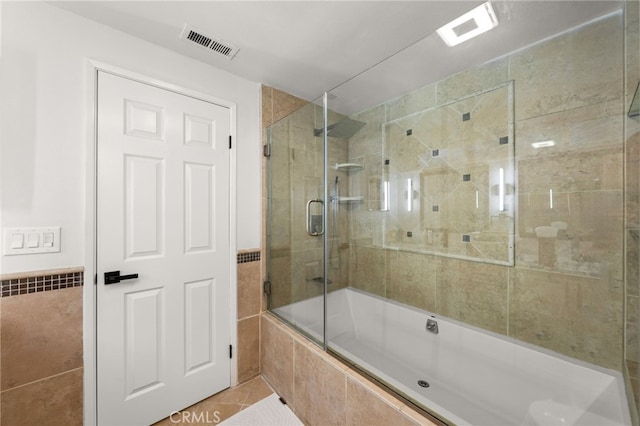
249	309
443	207
564	294
41	357
322	390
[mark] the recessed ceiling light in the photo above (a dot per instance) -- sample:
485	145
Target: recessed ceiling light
543	144
471	24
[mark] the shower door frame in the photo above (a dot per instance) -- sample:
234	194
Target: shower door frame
325	212
322	197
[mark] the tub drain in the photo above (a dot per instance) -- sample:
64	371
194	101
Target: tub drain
423	383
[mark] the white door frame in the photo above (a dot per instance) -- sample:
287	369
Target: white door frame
89	291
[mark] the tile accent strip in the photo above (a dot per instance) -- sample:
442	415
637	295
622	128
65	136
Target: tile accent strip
251	256
37	282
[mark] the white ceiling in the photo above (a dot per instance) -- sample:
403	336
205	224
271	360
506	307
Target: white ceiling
308	47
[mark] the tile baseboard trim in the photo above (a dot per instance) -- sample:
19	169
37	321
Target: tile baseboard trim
38	281
249	256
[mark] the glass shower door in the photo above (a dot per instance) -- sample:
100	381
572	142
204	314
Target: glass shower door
312	190
296	220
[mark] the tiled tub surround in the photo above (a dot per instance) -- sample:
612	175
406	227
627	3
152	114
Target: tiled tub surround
41	348
471	373
323	391
566	293
567	89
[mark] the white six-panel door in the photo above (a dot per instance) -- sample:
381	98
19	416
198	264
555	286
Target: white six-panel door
162	213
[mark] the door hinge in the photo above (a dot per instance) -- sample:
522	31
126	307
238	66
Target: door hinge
266	287
266	150
229	141
231	351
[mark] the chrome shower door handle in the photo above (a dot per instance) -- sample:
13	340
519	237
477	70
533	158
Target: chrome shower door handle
312	228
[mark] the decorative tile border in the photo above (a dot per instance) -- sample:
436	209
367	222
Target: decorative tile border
249	256
35	282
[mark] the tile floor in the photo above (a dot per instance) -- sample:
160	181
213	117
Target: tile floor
222	405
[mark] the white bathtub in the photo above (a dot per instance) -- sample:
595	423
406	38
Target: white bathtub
475	377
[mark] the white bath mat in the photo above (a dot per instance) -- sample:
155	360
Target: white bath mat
267	412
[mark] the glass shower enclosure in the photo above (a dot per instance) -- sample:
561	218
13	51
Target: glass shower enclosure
356	201
307	234
493	197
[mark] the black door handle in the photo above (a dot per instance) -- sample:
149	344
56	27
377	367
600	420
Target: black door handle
114	277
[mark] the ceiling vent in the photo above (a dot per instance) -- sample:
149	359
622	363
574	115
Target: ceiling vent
221	47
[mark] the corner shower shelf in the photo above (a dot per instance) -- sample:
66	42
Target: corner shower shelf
356	199
349	167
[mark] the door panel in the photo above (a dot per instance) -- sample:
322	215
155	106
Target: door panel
163	212
199	206
144	206
144	341
199	335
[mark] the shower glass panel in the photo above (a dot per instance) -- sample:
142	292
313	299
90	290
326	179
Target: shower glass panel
296	219
412	185
310	196
308	202
367	202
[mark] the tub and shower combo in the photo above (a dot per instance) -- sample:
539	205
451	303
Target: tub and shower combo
462	374
400	230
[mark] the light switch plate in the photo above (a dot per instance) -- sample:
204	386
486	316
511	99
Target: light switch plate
19	241
33	240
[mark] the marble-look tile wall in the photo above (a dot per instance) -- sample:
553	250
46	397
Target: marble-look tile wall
632	197
41	350
322	390
451	156
565	294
